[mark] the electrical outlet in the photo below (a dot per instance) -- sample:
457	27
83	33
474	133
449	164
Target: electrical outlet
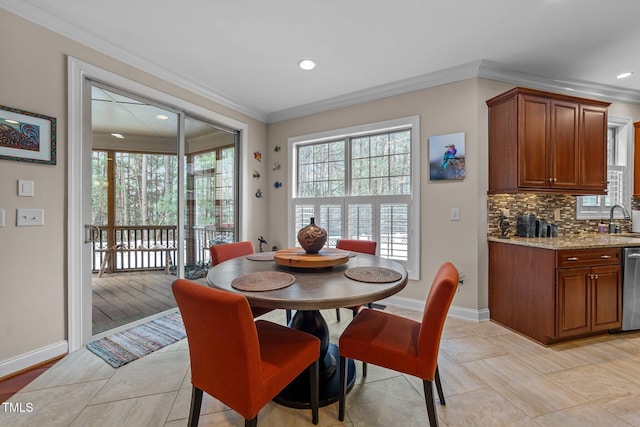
1	217
455	214
29	217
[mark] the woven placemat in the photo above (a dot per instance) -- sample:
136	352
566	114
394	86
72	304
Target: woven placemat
261	256
372	274
263	281
336	250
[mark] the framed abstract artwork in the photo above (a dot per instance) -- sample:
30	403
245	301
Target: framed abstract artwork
447	157
27	137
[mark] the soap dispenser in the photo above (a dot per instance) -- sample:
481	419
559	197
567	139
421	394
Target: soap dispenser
602	227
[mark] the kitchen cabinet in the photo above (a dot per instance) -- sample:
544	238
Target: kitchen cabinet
636	159
554	295
588	298
539	141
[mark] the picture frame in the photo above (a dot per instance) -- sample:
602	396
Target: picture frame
27	137
447	157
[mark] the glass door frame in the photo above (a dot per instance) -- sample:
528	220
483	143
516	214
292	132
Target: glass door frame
80	73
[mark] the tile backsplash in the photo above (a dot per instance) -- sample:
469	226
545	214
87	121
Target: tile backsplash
544	206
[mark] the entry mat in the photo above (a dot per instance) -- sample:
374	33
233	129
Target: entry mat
126	346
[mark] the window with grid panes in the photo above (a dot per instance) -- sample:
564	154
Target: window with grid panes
619	174
359	183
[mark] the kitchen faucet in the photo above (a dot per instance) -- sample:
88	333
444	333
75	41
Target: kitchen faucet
612	226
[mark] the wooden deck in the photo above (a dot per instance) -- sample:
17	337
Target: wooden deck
121	298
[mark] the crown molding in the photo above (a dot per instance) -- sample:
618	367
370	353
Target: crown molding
74	31
424	81
574	87
482	68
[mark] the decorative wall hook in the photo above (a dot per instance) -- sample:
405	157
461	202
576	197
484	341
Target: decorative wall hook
259	193
257	155
277	184
256	174
277	148
276	166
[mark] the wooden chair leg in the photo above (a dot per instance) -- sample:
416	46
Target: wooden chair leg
431	406
314	373
338	314
252	422
196	404
439	387
342	392
364	369
288	317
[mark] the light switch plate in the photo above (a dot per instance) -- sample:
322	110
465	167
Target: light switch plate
455	214
29	217
1	217
25	188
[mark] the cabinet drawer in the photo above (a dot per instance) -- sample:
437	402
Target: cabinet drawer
587	257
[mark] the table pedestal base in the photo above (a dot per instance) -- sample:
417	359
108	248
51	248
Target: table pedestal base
296	394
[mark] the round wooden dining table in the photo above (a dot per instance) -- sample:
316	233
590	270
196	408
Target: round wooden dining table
314	289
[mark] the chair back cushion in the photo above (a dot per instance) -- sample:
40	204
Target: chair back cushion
362	246
436	308
223	343
225	251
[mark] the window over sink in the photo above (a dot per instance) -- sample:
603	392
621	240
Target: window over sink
619	173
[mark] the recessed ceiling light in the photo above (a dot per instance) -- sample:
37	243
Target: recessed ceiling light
307	64
162	117
624	75
117	135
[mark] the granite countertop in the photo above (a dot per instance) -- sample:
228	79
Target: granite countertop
579	241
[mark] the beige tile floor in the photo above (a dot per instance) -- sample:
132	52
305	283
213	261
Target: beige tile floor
491	377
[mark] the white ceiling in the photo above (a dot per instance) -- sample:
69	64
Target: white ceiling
244	53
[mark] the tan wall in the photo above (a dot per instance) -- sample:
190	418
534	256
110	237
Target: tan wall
442	110
33	77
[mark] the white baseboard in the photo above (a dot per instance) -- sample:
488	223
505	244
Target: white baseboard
33	358
454	311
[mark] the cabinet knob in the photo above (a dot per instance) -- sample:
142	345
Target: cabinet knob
596	276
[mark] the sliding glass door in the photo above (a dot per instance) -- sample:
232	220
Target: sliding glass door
143	155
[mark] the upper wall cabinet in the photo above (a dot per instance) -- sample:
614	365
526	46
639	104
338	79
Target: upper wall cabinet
636	160
545	142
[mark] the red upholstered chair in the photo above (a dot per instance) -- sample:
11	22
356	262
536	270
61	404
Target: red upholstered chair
402	344
226	251
241	362
362	246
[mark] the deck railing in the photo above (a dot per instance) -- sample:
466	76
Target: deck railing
149	247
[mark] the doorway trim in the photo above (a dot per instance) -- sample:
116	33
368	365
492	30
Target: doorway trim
78	75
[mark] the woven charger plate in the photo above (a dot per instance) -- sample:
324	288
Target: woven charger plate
261	256
373	274
263	281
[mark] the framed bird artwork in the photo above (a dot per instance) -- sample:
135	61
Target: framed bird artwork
447	157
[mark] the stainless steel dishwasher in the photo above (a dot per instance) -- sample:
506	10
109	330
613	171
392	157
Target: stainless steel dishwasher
631	289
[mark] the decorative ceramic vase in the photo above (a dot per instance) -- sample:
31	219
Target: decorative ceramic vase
312	238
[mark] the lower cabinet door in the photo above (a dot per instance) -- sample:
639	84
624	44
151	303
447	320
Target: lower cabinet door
574	302
606	298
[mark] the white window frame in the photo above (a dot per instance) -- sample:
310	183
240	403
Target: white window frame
625	135
413	122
